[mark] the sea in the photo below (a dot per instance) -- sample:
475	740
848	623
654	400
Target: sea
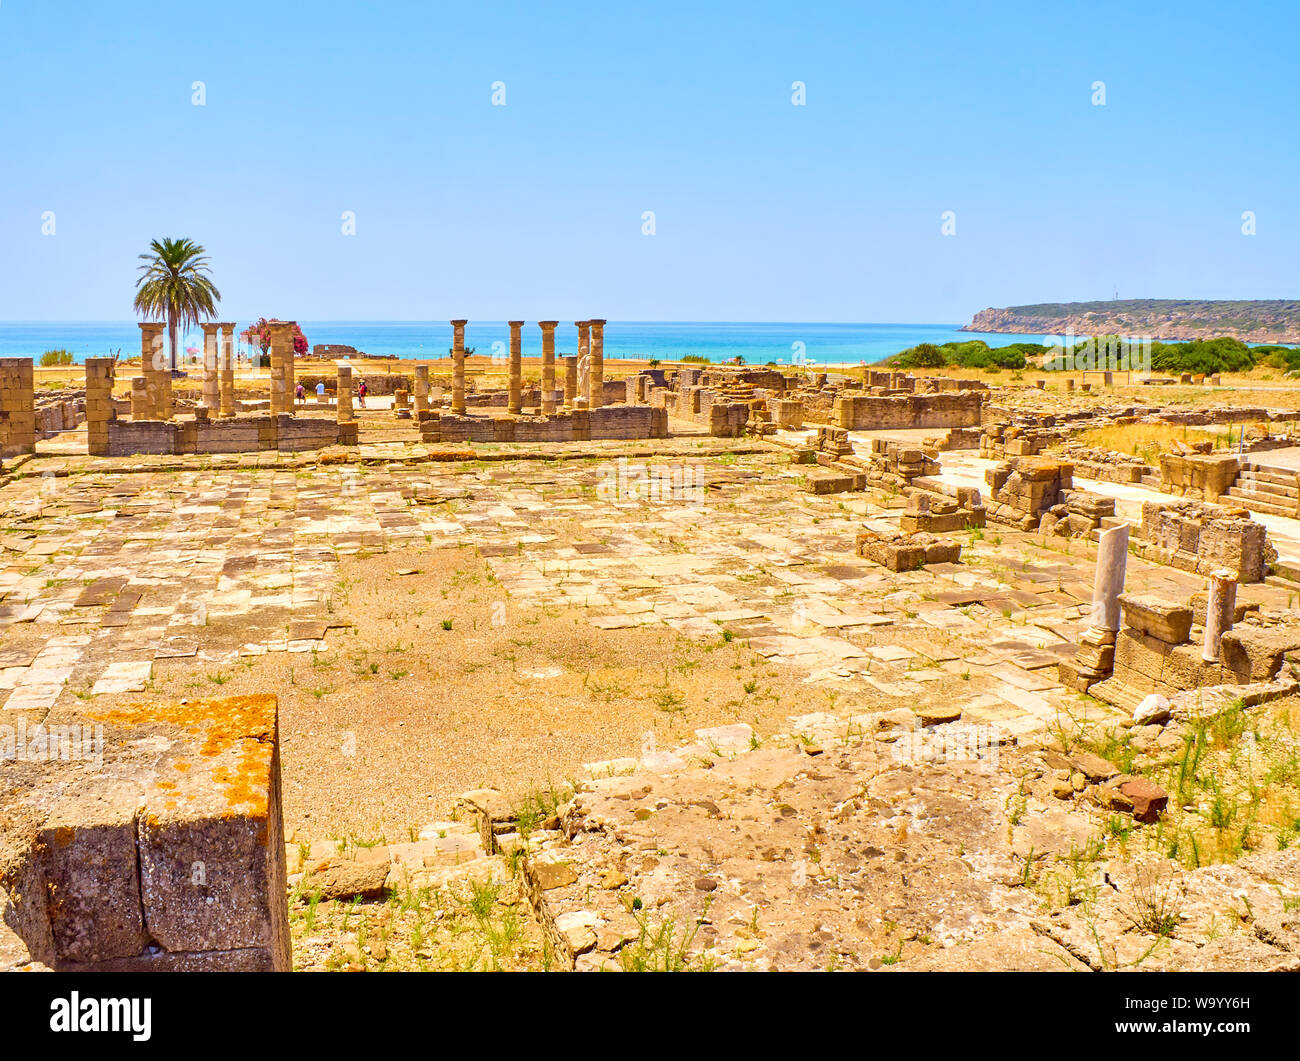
716	341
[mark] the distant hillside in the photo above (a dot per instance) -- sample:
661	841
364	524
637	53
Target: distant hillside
1263	321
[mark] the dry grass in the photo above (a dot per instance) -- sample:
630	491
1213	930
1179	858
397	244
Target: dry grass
1148	441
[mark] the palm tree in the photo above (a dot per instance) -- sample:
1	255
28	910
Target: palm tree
174	283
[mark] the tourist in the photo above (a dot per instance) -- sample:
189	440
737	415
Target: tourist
361	394
320	392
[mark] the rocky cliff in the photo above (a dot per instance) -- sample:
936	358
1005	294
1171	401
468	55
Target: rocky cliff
1261	321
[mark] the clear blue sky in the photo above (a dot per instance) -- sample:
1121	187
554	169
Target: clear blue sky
764	210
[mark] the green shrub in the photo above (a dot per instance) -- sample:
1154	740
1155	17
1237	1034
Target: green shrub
56	357
1223	354
923	355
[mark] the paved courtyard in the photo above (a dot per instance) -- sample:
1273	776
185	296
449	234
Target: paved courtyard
117	582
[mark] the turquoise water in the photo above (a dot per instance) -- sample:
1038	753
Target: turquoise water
666	340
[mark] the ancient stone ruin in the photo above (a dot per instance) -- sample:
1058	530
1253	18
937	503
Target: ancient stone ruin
144	838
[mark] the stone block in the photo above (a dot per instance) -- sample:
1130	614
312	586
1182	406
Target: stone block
1164	620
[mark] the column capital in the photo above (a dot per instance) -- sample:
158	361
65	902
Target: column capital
151	326
547	325
209	327
581	324
595	322
460	324
516	324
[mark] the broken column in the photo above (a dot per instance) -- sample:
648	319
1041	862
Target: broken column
344	388
17	406
211	374
570	381
458	367
1108	582
514	399
596	377
140	407
226	368
584	358
156	371
99	404
1220	608
421	388
548	365
1094	660
281	367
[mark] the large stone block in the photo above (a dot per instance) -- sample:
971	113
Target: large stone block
164	850
1161	619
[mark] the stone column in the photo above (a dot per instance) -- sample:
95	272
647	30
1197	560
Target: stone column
548	365
99	404
421	388
211	375
584	358
290	368
597	375
1220	610
570	381
227	369
282	367
17	406
458	367
344	396
1108	583
514	399
156	371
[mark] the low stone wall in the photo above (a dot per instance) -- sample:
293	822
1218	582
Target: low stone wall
143	838
1193	536
866	412
241	434
725	419
579	425
1205	477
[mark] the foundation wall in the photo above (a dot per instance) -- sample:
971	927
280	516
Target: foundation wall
241	434
1203	538
867	412
607	422
17	406
1206	478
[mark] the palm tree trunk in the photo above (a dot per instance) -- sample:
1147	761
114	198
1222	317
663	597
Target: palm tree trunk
171	331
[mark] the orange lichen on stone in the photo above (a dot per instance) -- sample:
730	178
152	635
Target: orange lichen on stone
242	725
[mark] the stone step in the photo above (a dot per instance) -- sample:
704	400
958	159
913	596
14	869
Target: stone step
1272	470
1116	694
1153	481
1256	504
1268	484
1287	570
1281	582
